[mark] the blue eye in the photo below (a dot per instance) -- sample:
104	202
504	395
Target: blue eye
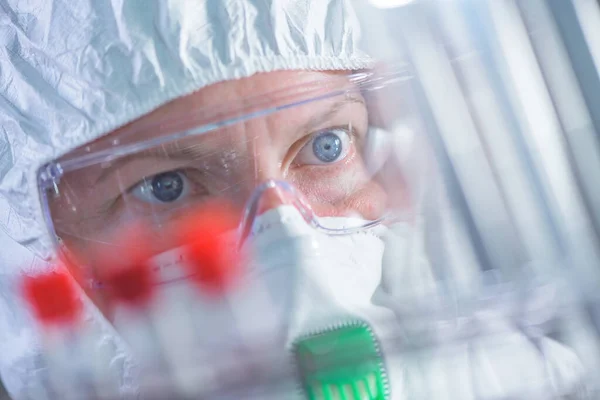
325	147
166	187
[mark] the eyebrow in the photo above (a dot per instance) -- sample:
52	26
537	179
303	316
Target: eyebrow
187	154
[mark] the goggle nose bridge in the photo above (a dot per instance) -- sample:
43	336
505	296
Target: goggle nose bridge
274	193
289	195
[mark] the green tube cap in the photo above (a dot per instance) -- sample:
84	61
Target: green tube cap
342	363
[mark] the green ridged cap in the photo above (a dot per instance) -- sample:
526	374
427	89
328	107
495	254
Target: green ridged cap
342	363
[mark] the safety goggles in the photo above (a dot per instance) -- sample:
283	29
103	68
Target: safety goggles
333	145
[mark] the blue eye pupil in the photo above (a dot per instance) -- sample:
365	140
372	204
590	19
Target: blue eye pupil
327	147
167	186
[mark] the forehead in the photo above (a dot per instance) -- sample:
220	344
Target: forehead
226	100
260	89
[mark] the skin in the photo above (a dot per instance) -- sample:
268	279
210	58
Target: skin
224	165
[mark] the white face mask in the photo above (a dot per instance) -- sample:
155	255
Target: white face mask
299	282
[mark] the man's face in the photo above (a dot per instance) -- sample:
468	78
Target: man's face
317	147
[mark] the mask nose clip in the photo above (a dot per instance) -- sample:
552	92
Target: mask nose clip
270	195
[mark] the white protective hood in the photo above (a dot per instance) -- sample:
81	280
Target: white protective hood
72	71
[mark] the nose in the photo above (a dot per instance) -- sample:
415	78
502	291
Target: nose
273	197
270	195
263	191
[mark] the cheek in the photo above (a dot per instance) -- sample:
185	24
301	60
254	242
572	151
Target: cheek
349	191
343	189
336	198
369	201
